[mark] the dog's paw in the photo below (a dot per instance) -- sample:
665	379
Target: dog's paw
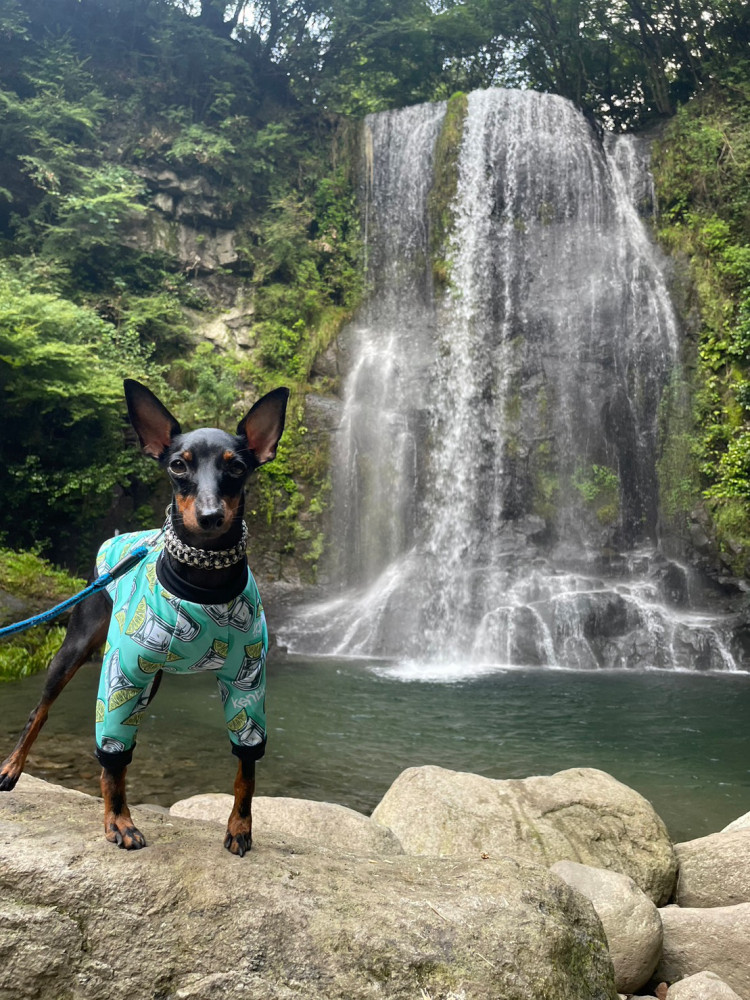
10	772
124	834
238	843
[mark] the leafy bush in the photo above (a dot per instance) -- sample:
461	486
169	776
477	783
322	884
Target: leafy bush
701	169
61	451
29	653
599	487
26	575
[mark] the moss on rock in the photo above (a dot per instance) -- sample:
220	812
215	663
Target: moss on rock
444	186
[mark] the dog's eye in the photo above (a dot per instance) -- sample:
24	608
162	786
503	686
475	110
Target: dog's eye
237	468
178	466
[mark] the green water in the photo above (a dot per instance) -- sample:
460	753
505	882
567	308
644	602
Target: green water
340	731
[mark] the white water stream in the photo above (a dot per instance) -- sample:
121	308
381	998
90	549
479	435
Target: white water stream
495	489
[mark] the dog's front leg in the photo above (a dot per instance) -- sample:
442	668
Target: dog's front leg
118	825
239	836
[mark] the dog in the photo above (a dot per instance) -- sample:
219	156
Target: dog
190	604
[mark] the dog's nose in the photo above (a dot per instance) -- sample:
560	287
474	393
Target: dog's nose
209	519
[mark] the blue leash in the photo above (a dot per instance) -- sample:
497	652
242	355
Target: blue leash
130	560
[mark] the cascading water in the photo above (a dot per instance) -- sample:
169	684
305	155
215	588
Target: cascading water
495	486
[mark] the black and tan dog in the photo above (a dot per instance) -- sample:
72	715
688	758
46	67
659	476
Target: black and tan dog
191	604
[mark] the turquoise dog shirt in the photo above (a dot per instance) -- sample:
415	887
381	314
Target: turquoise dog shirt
153	630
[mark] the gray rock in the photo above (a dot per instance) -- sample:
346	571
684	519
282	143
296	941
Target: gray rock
228	331
153	807
193	196
579	815
35	945
212	807
717	938
164	202
323	823
201	250
741	823
322	414
703	986
714	870
630	920
291	921
699	539
326	364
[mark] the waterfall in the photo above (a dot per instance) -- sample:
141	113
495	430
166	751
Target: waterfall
495	493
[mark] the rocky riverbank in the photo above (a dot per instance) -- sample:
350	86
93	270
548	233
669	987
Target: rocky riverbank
458	888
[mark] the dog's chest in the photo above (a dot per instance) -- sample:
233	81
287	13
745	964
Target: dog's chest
152	629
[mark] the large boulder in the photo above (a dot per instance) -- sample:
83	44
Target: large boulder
714	870
36	944
629	918
703	986
325	823
717	938
741	823
290	921
579	815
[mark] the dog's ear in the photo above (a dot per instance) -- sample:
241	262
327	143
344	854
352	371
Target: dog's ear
153	423
263	425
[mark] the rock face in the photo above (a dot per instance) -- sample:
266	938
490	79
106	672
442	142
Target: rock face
185	919
717	938
324	823
714	870
579	815
630	920
200	250
703	986
191	221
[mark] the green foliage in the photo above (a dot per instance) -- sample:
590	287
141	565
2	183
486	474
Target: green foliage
308	276
29	652
50	119
443	191
626	61
599	487
90	217
61	388
732	529
546	481
677	465
150	323
596	481
198	144
26	575
701	171
208	384
13	24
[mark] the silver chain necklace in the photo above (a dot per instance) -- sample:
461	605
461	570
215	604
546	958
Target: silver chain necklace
202	558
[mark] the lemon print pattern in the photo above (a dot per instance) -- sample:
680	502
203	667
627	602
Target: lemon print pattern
152	630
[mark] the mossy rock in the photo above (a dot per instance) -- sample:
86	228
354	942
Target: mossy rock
444	186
